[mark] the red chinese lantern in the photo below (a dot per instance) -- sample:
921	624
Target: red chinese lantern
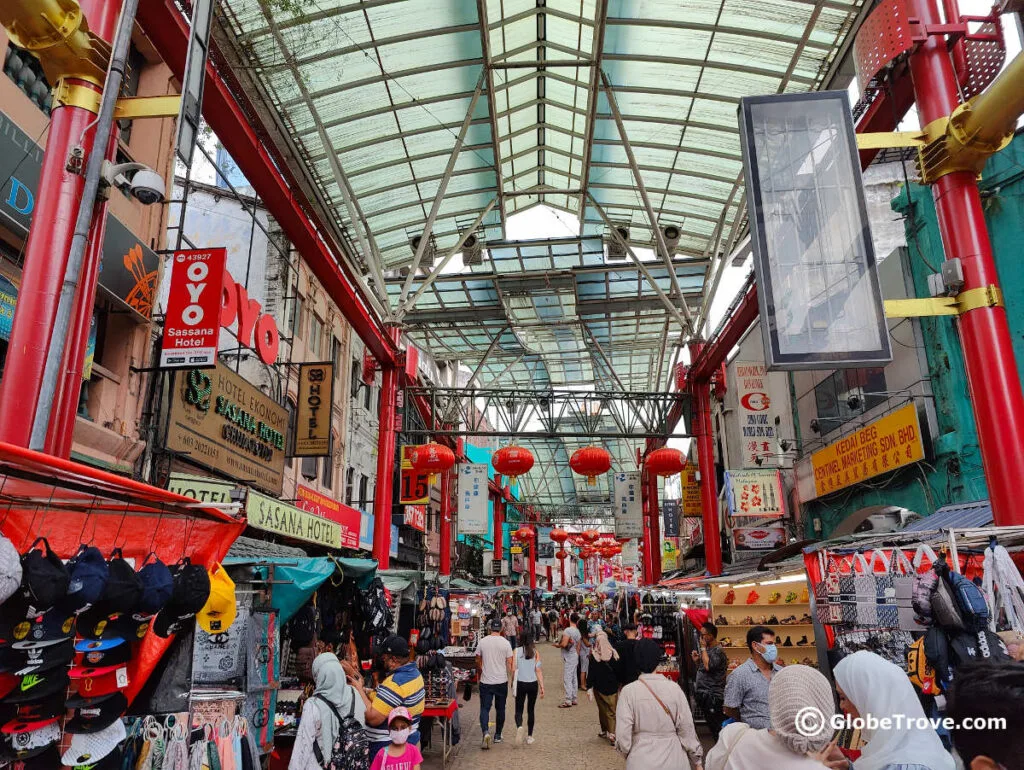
591	461
558	536
587	553
432	459
512	461
524	534
589	535
561	554
665	462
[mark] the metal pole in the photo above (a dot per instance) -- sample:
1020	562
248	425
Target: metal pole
532	560
499	523
80	239
428	226
993	381
701	391
385	461
487	354
445	567
654	509
436	272
684	322
659	238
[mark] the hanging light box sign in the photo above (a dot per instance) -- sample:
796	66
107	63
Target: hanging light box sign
817	283
313	410
629	511
192	322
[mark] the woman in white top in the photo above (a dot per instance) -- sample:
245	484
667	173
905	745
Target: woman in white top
793	691
529	683
317	724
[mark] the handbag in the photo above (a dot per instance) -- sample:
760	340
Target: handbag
713	762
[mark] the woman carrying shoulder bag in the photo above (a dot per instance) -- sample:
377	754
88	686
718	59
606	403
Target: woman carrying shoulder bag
318	725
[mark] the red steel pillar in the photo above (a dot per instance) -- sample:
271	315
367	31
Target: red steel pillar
46	251
532	560
551	578
499	524
561	569
993	381
386	466
654	507
445	567
702	428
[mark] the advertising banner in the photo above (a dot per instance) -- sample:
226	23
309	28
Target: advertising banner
192	322
201	488
755	493
313	410
630	553
628	505
691	530
690	501
415	486
670	518
758	538
758	434
884	445
545	547
416	517
473	499
669	553
280	518
221	421
349	519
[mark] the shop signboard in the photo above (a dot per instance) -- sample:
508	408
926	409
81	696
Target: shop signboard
516	550
192	321
416	517
630	553
8	301
287	520
691	530
201	488
313	410
318	504
758	433
669	553
758	538
545	547
670	518
628	505
884	445
690	498
221	421
755	493
473	499
415	486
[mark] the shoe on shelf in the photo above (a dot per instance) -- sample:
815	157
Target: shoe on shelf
730	597
803	641
752	597
788	642
726	642
791	620
529	740
486	742
773	620
520	732
774	597
790	597
748	620
721	620
806	619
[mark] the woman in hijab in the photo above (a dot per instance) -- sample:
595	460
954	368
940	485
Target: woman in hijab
653	724
604	680
870	685
318	725
792	691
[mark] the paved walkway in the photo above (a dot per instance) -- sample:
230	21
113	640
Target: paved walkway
564	737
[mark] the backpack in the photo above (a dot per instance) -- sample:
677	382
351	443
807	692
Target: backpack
945	607
920	671
921	596
974	646
376	613
351	749
970	601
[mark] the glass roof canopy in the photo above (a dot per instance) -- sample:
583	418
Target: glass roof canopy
385	87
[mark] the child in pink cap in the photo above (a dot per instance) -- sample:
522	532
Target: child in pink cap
400	755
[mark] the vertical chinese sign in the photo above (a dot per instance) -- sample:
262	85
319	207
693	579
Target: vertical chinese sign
473	499
415	486
628	506
758	433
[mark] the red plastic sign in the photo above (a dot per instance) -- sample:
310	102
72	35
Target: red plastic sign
192	323
236	304
416	517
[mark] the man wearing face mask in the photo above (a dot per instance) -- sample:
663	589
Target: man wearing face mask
746	690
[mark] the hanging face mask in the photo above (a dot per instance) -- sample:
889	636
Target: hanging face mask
399	737
770	653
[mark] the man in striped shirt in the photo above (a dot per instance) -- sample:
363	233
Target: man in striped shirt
403	687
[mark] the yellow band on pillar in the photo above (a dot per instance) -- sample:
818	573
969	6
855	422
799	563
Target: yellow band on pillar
985	296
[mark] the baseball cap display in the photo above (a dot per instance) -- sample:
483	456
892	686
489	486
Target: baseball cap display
97	716
157	586
31	743
40	630
32	716
44	579
189	595
34	687
97	662
88	573
218	613
110	762
37	659
10	569
121	594
89	748
47	759
103	684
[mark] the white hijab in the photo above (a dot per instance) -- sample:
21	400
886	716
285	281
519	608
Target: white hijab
332	684
880	688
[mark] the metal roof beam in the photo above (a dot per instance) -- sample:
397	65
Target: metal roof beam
388	109
693	26
531	12
309	17
413	159
423	202
701	64
664	119
422	180
735	156
485	46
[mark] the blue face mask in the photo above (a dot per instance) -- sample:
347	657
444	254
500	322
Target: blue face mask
771	653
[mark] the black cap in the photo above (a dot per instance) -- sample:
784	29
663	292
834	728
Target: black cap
40	630
37	659
34	687
121	595
88	572
394	645
494	625
44	578
47	759
157	587
191	591
76	700
36	712
101	661
93	717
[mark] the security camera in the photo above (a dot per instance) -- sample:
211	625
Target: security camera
147	187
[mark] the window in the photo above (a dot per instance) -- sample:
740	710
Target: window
846	394
336	361
364	485
350	478
130	87
296	319
356	380
327	471
308	468
316	334
367	396
289	439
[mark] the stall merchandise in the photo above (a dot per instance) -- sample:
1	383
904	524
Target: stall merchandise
779	602
661	620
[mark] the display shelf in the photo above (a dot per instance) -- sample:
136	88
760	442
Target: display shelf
774	625
739	605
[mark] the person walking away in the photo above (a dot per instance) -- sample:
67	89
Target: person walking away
628	672
653	724
401	688
712	668
869	684
746	690
536	620
495	663
552	625
786	745
583	626
988	691
399	754
318	725
570	645
605	683
510	627
529	685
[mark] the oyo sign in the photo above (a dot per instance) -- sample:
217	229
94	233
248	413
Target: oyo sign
236	305
190	325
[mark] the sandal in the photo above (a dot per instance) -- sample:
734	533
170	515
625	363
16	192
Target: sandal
730	597
752	597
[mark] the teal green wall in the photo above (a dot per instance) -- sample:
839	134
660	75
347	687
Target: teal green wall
952	472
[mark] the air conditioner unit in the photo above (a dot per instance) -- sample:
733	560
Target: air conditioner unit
427	260
671	234
472	252
615	249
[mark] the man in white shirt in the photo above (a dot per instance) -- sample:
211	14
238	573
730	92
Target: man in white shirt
495	663
536	619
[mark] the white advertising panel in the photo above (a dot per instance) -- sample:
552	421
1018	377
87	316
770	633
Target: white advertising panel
629	511
473	499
